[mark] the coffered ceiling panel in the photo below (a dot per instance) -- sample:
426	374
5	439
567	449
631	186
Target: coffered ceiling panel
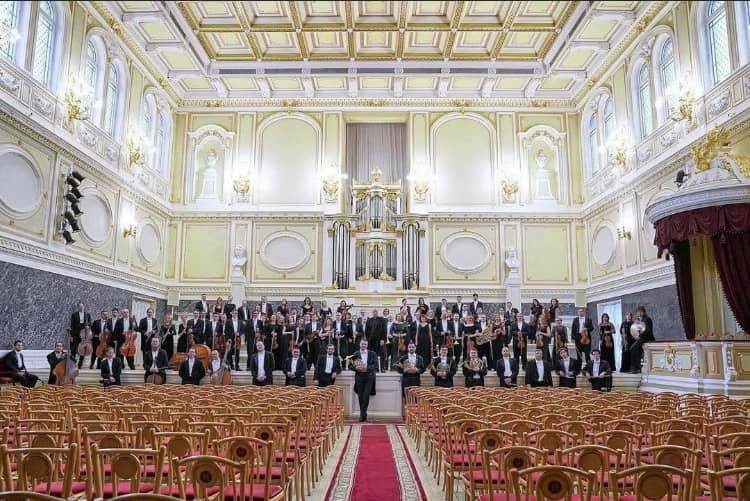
481	48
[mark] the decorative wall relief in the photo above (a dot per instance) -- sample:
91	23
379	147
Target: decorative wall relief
543	169
209	158
21	189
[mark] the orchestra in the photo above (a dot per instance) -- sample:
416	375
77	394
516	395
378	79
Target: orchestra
295	338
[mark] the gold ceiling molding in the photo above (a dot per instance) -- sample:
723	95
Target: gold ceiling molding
615	53
117	27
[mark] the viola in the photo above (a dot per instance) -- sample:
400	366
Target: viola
128	346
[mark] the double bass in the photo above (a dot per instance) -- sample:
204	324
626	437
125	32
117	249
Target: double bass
66	371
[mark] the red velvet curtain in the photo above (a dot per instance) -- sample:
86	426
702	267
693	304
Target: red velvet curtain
728	227
684	279
733	261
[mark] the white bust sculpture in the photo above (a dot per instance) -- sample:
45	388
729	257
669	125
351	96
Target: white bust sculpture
511	259
543	184
209	185
238	261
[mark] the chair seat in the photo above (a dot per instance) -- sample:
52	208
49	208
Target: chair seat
150	469
501	497
478	476
465	460
56	488
258	492
124	488
174	491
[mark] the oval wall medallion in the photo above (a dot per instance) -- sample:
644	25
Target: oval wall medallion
96	220
149	243
285	252
465	252
604	246
21	189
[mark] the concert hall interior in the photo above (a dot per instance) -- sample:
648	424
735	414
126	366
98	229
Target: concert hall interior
375	250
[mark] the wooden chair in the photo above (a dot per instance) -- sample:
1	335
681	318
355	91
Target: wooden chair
27	496
41	470
591	457
144	497
552	482
487	439
679	457
651	482
737	478
124	471
498	464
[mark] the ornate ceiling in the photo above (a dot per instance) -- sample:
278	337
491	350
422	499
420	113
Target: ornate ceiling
523	50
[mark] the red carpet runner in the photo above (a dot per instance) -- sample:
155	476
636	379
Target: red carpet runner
382	470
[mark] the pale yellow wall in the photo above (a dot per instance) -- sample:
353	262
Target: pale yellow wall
300	262
446	255
205	252
546	251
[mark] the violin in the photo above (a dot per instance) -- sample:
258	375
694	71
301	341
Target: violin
104	339
85	347
585	337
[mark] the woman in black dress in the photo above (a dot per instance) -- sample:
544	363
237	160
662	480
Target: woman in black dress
424	338
307	306
343	308
325	311
627	341
422	307
536	311
399	339
283	308
554	305
606	340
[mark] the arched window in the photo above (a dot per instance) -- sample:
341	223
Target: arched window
43	42
718	41
164	133
608	119
91	72
644	100
112	102
593	143
9	24
157	129
667	75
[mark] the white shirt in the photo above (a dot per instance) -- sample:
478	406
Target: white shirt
236	328
154	355
540	370
595	368
126	324
294	365
329	364
520	325
205	305
338	325
213	326
413	358
445	325
191	362
149	324
506	363
80	316
215	365
363	356
18	358
261	363
444	360
566	364
109	366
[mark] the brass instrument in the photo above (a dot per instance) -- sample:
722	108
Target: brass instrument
485	336
404	363
441	368
357	362
475	364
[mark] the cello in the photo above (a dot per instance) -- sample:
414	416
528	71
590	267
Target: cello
85	347
104	339
65	371
128	345
223	376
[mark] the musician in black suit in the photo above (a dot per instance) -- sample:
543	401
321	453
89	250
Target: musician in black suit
110	369
443	377
312	345
213	328
253	326
147	327
196	324
519	334
295	368
474	370
78	321
265	307
155	361
124	324
202	305
192	370
377	335
244	312
598	372
234	330
538	371
476	304
443	308
444	328
647	336
229	306
365	364
507	369
53	358
579	323
14	363
327	368
344	335
567	369
458	305
261	365
410	366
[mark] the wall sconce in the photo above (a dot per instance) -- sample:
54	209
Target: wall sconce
684	109
331	182
510	188
618	150
129	230
420	181
136	148
242	185
77	100
624	233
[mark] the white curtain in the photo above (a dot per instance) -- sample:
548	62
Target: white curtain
381	145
